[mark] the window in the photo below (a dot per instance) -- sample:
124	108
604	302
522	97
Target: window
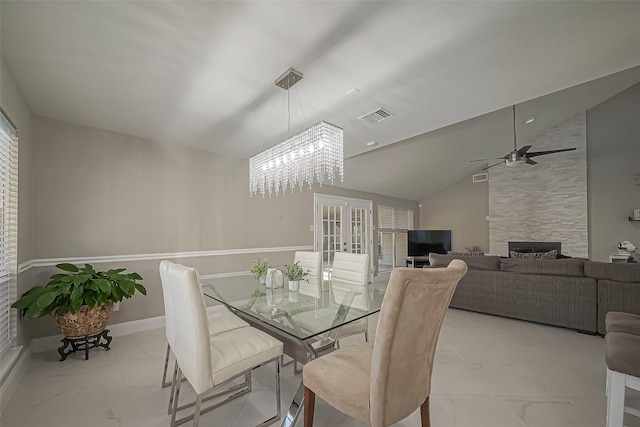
393	224
8	230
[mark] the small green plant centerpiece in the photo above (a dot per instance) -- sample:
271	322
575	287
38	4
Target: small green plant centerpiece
294	274
260	268
81	300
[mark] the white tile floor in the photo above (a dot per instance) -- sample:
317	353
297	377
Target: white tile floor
489	371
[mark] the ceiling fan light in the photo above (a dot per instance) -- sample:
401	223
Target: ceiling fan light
515	163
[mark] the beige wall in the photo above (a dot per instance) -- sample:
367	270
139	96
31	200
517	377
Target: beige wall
461	208
100	193
16	108
613	141
14	105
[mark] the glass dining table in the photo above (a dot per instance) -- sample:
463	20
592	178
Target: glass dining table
307	321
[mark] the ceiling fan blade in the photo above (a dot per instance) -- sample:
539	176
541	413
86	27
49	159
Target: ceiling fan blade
542	153
484	160
495	164
531	162
523	150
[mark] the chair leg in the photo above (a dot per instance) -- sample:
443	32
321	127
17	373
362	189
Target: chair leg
173	387
166	366
176	398
196	414
424	413
278	393
247	380
615	400
309	406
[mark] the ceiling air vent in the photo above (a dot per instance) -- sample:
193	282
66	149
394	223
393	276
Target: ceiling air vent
480	177
376	116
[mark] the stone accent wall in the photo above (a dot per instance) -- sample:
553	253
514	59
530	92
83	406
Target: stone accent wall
547	201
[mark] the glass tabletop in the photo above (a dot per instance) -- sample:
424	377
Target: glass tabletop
315	309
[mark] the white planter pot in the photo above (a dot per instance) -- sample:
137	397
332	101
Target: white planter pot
294	285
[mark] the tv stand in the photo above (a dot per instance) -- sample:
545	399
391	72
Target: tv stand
417	261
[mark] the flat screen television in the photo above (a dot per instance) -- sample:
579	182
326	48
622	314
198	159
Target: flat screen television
421	242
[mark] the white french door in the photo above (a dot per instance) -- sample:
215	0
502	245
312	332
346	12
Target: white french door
342	225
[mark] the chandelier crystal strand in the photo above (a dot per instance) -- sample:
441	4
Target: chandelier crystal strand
313	155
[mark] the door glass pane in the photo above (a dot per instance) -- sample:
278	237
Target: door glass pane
401	249
331	239
358	231
385	251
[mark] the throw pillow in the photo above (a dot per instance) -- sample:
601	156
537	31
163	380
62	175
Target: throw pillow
465	253
552	254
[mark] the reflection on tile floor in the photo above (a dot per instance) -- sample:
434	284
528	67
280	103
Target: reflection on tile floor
490	371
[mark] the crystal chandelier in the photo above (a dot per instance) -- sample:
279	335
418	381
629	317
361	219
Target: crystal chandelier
312	155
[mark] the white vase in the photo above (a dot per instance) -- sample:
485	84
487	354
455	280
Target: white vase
262	280
294	285
274	296
293	296
275	279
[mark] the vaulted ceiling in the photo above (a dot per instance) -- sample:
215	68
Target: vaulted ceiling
202	74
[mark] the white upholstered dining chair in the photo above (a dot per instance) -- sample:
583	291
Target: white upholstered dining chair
351	269
209	361
311	261
349	272
218	322
382	383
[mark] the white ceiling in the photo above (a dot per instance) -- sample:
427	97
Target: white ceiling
201	74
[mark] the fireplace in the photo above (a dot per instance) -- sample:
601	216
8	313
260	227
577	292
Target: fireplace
530	247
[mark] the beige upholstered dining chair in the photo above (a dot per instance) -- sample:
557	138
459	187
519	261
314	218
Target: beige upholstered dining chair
218	322
206	360
383	383
351	269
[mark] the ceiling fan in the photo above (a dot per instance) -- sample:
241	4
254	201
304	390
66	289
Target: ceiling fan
520	156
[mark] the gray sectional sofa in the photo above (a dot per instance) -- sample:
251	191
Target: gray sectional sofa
571	293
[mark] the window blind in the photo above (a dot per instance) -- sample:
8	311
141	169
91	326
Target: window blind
8	230
393	224
394	219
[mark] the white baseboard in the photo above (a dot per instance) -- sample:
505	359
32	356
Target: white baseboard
14	376
39	345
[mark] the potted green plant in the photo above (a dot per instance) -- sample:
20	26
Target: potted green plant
260	268
626	247
294	274
81	300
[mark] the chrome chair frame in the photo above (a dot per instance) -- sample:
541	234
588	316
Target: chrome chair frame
238	390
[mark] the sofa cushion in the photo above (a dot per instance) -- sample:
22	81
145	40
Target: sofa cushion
561	267
616	296
621	353
618	272
473	262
